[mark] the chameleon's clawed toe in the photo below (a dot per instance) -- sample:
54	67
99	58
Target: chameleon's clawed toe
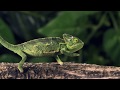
20	69
61	63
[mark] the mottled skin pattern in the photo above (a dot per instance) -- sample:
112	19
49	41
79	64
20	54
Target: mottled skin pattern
50	46
42	47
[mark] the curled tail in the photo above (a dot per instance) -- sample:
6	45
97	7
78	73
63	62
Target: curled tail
7	45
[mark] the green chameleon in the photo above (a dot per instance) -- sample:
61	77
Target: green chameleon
49	46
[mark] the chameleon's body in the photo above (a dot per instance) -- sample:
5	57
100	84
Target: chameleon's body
42	46
51	46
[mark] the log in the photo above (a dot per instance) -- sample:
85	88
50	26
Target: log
55	71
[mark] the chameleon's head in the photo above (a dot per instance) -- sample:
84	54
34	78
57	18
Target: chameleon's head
73	43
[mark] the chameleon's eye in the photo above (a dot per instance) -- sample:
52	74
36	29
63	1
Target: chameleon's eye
75	40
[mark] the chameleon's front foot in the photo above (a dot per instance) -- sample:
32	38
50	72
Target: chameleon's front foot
59	61
20	69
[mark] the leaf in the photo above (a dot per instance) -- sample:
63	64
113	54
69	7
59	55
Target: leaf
6	33
111	44
67	22
9	58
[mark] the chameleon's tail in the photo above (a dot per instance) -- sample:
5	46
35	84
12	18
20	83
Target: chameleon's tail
6	44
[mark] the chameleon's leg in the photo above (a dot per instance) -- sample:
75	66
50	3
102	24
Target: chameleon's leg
58	60
22	61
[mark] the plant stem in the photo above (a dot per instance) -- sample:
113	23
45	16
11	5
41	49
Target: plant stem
114	21
95	28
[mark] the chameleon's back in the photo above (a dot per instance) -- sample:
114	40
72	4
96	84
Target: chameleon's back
42	46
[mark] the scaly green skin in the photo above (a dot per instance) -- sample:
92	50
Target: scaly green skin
51	46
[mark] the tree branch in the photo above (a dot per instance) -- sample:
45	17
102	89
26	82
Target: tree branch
56	71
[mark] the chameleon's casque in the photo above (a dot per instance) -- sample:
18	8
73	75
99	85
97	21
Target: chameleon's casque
50	46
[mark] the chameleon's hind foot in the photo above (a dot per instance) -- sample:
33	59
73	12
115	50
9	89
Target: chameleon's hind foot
58	60
20	69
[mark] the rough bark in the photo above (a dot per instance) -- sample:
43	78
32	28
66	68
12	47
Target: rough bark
56	71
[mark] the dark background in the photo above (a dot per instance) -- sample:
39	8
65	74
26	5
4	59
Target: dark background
99	30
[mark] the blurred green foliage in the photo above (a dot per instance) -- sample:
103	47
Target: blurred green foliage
5	32
99	30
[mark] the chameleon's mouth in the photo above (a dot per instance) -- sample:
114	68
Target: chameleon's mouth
76	47
79	46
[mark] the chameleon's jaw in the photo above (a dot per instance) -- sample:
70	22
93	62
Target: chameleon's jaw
76	47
